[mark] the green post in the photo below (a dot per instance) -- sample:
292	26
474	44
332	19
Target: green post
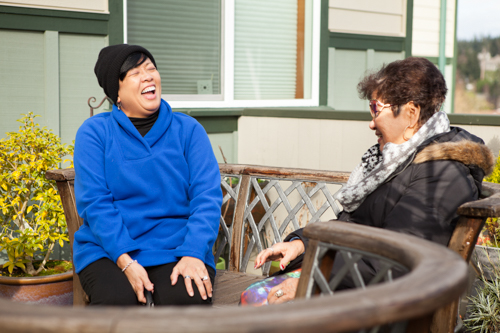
442	38
454	61
409	29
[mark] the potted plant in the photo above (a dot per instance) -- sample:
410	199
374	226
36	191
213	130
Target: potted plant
483	308
32	220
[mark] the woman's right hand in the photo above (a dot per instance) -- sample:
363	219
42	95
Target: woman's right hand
284	252
136	275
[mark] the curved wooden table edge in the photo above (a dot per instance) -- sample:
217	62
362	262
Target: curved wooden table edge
438	277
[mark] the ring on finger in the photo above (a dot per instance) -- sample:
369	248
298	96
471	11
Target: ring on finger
187	277
271	248
279	293
205	278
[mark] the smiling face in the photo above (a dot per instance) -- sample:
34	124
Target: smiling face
394	129
140	91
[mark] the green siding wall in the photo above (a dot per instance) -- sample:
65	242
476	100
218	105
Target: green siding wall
22	72
78	54
50	74
346	68
229	144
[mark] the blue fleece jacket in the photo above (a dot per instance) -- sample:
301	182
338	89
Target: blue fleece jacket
156	197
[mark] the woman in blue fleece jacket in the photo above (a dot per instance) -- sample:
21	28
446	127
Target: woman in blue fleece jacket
147	186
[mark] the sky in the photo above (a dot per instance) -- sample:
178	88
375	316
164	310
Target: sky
477	18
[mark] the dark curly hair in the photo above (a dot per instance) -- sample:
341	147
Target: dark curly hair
412	79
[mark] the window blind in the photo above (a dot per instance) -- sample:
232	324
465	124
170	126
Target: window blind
185	39
265	49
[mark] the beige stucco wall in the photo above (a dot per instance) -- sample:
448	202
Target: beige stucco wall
303	143
426	18
387	18
317	144
99	6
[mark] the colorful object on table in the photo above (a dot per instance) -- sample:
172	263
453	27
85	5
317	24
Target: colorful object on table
256	293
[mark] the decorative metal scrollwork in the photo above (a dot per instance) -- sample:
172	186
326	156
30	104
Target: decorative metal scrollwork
93	100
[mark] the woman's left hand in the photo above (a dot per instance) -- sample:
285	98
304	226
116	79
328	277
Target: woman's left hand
288	288
193	269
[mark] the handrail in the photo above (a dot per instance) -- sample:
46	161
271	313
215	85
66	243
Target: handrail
438	277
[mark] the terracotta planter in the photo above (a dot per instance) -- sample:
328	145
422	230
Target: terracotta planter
54	289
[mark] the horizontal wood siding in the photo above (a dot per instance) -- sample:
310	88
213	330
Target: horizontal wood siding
426	16
386	17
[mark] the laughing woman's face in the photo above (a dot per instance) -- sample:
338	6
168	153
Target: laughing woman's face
140	91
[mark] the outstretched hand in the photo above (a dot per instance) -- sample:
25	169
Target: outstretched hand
284	252
193	269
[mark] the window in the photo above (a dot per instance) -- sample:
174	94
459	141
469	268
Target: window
184	37
231	53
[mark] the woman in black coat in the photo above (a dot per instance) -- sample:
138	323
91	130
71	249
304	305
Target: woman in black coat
416	176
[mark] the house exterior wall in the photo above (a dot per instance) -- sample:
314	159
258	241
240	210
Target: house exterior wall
321	144
77	57
386	18
48	51
426	28
356	36
303	143
22	70
363	36
95	6
346	68
51	75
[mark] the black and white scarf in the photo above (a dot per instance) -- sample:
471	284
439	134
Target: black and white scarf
376	166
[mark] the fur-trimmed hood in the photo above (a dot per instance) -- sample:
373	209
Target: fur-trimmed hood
464	151
461	146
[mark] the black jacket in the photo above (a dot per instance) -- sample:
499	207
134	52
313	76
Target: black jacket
422	196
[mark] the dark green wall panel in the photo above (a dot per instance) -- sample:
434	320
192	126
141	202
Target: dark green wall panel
364	42
20	18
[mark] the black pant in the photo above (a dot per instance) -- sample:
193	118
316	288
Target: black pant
105	284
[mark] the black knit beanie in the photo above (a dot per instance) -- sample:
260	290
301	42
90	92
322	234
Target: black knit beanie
109	62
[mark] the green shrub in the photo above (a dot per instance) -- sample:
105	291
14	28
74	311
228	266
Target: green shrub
495	175
31	216
484	308
490	235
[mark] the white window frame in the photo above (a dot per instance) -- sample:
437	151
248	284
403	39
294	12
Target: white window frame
227	68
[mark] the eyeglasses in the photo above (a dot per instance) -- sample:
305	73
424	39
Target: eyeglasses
373	107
